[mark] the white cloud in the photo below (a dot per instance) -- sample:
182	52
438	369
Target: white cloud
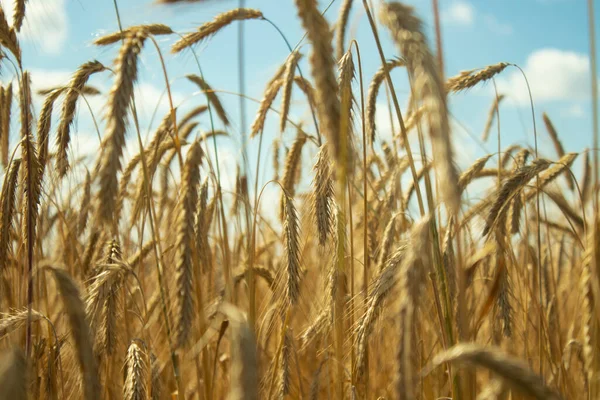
462	13
46	78
574	111
459	13
45	23
496	26
553	75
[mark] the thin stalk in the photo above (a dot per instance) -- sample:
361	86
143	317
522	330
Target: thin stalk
538	235
366	259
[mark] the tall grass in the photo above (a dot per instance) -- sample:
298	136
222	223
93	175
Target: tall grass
370	273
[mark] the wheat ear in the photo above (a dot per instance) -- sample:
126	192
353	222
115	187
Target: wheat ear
185	242
120	97
210	28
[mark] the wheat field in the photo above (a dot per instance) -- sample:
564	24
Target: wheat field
375	276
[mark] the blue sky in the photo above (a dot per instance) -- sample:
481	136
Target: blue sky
547	38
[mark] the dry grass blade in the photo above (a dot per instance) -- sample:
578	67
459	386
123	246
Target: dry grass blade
211	96
150	29
136	368
80	331
469	79
185	242
407	32
13	375
120	97
67	115
514	372
210	28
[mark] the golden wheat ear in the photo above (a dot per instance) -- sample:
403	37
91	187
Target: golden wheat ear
211	28
120	97
136	372
185	242
73	92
